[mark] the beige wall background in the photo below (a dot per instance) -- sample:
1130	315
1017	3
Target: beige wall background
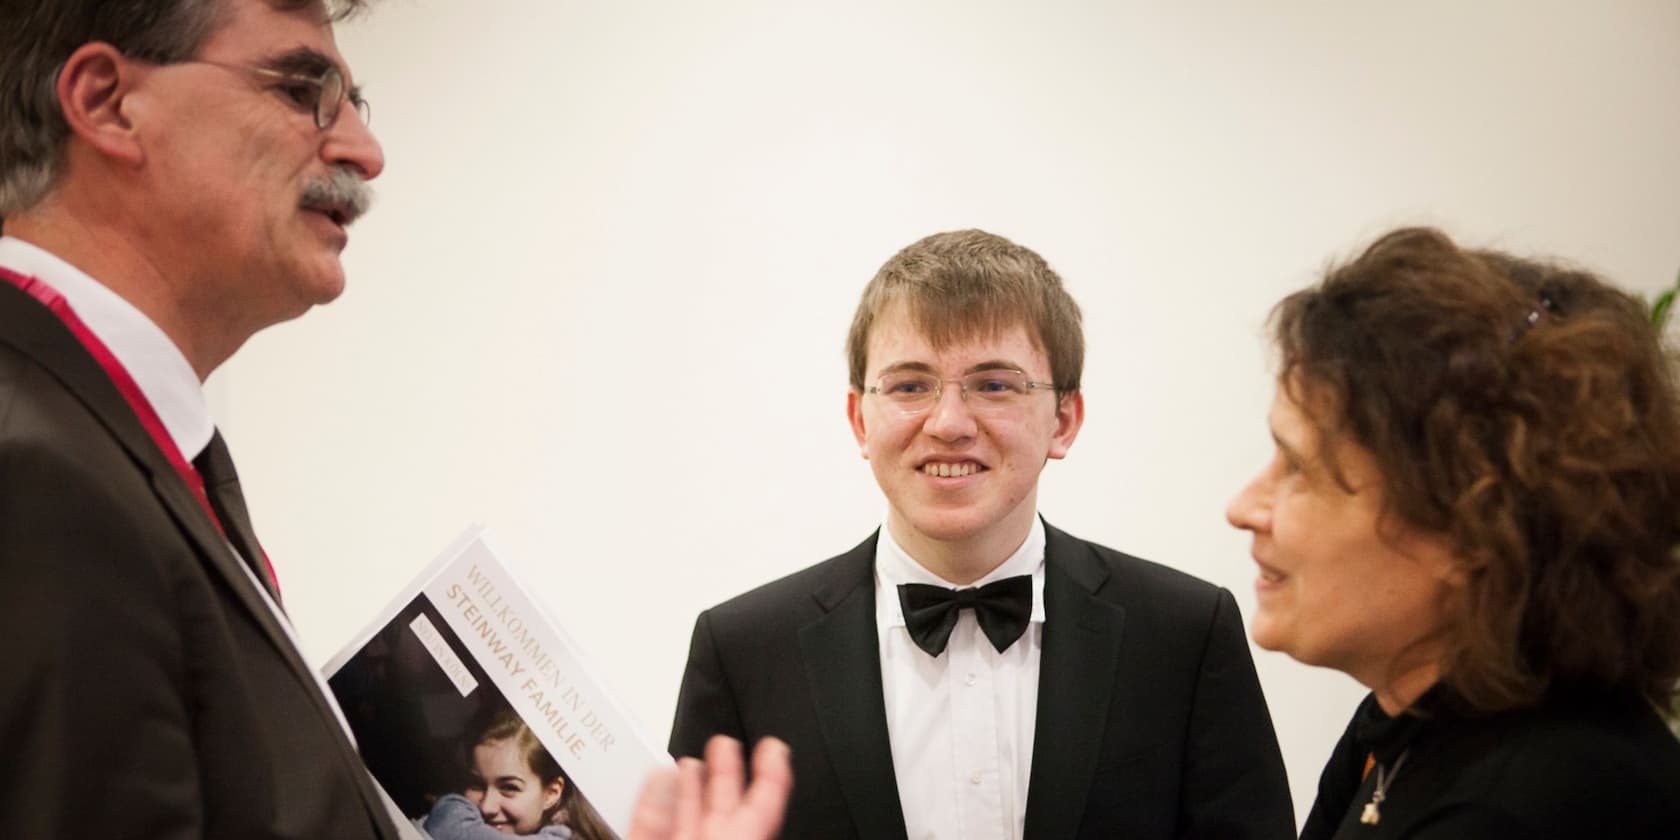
600	304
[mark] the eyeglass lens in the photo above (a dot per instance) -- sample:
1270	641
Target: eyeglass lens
993	390
333	94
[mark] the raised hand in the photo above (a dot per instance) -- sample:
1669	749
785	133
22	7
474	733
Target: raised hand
705	801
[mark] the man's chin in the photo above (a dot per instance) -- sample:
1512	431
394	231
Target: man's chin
323	283
951	526
305	289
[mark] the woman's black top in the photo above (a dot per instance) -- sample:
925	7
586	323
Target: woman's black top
1585	763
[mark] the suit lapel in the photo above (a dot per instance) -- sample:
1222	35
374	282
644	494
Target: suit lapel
1077	671
36	332
191	518
843	667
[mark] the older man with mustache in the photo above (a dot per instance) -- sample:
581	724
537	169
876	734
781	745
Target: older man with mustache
174	177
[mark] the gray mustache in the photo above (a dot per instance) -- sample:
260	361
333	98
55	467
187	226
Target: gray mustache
341	189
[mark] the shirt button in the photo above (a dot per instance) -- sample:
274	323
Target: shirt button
974	779
971	679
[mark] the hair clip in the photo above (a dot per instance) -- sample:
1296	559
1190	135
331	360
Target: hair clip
1532	318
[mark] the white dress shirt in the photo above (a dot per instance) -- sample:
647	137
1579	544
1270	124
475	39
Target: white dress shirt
148	355
960	724
154	362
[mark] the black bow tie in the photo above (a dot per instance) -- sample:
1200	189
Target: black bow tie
1003	608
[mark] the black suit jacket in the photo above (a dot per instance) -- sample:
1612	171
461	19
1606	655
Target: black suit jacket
1151	722
149	692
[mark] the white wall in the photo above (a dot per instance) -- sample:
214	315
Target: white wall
600	304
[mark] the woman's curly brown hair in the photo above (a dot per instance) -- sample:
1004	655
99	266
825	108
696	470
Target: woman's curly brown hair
1527	412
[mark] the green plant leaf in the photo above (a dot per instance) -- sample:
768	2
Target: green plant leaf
1661	310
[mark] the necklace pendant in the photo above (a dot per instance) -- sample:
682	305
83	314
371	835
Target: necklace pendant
1370	816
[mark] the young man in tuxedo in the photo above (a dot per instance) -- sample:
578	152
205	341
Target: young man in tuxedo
969	671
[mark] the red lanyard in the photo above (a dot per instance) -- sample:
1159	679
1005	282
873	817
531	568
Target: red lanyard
55	302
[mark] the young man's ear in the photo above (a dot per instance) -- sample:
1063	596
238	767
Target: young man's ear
1070	415
854	413
93	90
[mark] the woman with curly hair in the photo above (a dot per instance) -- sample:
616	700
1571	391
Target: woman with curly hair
1474	510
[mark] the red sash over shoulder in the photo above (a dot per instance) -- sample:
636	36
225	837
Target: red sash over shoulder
148	416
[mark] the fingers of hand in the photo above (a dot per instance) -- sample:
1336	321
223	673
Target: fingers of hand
725	774
772	781
690	799
655	814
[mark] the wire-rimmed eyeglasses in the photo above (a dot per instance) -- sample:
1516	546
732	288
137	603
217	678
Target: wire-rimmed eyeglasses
324	94
995	391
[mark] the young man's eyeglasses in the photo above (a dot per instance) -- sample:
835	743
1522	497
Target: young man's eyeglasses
324	94
995	391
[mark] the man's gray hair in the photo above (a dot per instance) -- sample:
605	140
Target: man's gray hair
37	37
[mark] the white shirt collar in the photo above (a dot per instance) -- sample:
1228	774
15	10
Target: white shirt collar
157	365
893	566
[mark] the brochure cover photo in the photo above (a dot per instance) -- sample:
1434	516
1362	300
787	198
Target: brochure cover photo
476	715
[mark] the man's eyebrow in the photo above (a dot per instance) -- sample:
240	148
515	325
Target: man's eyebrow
302	61
312	64
899	367
924	367
994	364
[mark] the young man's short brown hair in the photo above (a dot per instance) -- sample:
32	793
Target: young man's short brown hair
968	284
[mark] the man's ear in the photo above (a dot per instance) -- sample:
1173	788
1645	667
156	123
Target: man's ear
854	413
92	92
1070	415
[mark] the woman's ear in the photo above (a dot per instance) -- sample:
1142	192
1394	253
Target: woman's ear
552	793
